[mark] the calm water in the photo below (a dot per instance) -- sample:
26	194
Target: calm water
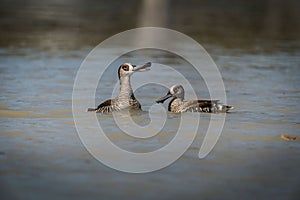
42	156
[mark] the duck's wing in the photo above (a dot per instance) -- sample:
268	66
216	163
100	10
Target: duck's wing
105	107
134	103
209	106
200	106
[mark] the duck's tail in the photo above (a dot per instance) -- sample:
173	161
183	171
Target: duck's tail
227	108
91	109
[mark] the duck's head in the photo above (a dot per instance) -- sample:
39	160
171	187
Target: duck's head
126	69
175	91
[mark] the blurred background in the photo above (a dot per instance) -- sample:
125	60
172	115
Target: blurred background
66	24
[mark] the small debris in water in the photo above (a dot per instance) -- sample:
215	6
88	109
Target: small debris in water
288	137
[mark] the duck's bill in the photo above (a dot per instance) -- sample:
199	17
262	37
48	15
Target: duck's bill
162	99
142	68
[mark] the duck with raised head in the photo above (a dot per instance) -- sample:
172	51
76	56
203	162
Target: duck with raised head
178	105
126	98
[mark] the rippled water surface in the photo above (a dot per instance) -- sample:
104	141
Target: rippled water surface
42	151
42	156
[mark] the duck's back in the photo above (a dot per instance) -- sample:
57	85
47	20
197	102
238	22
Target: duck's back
208	106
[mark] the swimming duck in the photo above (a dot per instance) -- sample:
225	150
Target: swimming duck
126	98
178	105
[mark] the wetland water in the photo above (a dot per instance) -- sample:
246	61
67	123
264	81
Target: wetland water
41	154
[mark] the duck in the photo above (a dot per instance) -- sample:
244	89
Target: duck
179	105
125	98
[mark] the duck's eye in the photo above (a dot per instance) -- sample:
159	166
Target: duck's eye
125	67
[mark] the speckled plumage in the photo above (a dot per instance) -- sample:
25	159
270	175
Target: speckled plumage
178	105
126	98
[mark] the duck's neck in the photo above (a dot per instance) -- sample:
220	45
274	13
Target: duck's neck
125	88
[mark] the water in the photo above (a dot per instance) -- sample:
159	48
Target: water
42	151
42	156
